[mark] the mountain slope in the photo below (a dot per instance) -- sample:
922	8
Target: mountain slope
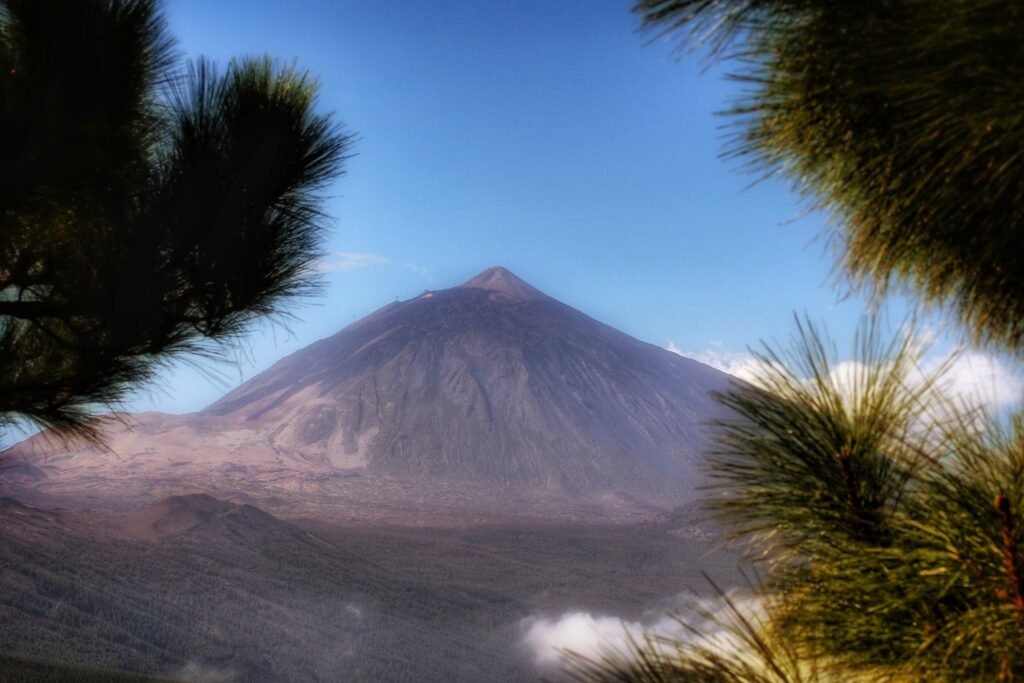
489	386
491	381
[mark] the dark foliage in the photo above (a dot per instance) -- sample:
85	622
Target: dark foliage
901	118
888	521
144	211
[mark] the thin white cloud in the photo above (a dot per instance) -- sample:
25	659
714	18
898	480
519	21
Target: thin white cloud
346	261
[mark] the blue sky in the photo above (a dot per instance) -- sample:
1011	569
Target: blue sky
545	136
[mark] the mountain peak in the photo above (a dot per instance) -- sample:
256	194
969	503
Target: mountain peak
502	281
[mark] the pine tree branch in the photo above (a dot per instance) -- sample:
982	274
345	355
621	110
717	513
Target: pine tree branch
1015	579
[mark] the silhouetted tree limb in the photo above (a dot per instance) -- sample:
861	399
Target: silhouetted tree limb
145	211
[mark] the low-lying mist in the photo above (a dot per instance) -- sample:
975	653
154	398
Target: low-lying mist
554	642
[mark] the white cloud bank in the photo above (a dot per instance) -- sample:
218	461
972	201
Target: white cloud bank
578	632
591	636
983	379
975	377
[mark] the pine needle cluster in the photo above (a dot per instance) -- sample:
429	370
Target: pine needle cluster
888	517
903	119
147	209
886	520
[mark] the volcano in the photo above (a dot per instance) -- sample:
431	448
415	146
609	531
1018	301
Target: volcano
489	395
